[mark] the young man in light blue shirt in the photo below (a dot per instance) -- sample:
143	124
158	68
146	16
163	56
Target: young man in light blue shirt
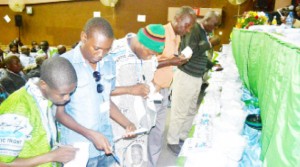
86	117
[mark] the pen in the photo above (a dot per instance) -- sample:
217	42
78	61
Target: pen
57	145
117	159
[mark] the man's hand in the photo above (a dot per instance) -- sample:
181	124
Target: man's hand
63	154
215	40
174	61
139	90
178	61
217	67
96	138
100	141
130	128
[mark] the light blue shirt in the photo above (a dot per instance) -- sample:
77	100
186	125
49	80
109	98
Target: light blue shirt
86	103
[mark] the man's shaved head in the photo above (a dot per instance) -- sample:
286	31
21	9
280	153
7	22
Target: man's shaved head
58	72
100	25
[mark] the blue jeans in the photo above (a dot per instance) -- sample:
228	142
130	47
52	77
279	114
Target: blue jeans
101	161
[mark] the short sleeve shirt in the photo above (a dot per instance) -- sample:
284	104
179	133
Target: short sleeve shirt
86	104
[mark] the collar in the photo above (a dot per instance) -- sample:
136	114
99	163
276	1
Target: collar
12	72
33	89
119	43
44	107
77	55
20	74
128	39
201	25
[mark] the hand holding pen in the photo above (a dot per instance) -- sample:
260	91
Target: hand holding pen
140	89
63	153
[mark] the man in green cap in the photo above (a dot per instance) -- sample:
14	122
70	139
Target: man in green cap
136	63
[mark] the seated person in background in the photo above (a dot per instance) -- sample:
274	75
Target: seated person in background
25	57
2	69
74	45
13	77
13	50
1	63
1	55
18	42
296	21
27	126
35	72
3	94
34	47
45	49
61	49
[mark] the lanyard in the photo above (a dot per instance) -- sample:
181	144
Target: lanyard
140	72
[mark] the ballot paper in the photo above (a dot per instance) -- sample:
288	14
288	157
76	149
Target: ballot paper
187	52
153	94
81	157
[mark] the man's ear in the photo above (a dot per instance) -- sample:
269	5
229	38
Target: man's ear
43	85
83	37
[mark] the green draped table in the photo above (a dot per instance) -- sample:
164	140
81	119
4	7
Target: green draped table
270	68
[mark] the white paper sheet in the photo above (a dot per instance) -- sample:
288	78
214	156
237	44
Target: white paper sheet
82	155
187	52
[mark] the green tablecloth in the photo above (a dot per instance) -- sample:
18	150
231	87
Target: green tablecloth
270	68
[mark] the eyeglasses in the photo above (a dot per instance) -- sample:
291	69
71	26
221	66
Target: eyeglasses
97	77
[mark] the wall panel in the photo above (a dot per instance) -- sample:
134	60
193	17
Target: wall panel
61	23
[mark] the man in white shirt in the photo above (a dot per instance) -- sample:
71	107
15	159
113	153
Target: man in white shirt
25	57
136	63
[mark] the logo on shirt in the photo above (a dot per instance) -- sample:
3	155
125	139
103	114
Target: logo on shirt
14	131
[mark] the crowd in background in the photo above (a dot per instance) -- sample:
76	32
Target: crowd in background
20	62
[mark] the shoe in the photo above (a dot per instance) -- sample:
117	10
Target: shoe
175	148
